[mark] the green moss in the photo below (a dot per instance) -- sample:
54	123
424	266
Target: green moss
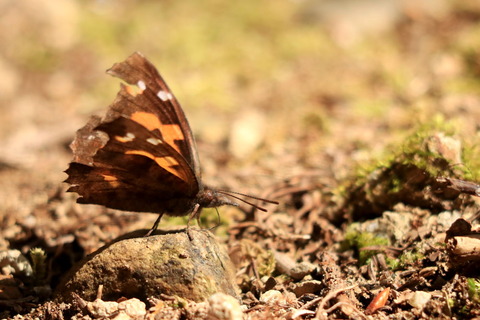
451	302
178	302
471	160
393	263
415	151
372	108
358	240
266	263
315	120
39	265
407	258
412	151
474	289
406	170
263	259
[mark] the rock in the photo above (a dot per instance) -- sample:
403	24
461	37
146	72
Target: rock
445	146
141	267
286	265
14	262
127	309
224	307
100	308
272	296
308	286
419	299
133	308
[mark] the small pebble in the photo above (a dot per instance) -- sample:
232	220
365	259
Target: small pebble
419	299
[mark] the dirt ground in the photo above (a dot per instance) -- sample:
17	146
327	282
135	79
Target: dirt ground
358	129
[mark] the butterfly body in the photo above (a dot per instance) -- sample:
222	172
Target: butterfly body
141	156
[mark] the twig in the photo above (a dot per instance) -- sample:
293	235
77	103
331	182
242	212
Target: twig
338	304
330	295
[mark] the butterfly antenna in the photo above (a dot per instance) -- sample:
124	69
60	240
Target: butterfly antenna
233	195
229	193
243	200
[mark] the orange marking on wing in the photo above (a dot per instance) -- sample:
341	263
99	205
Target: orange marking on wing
107	177
167	163
131	90
112	180
146	119
141	153
170	132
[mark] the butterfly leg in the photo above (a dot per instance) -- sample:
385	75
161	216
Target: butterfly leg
195	214
155	225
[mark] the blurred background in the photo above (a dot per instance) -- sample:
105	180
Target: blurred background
271	88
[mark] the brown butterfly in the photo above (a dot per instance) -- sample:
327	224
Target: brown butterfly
142	156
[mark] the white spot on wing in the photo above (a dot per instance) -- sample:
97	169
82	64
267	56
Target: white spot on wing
164	96
141	85
154	141
127	138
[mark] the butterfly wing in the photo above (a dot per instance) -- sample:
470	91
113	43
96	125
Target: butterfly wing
154	106
141	156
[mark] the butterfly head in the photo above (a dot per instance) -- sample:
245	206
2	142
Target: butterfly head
210	198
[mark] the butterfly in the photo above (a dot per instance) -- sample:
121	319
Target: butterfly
141	156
